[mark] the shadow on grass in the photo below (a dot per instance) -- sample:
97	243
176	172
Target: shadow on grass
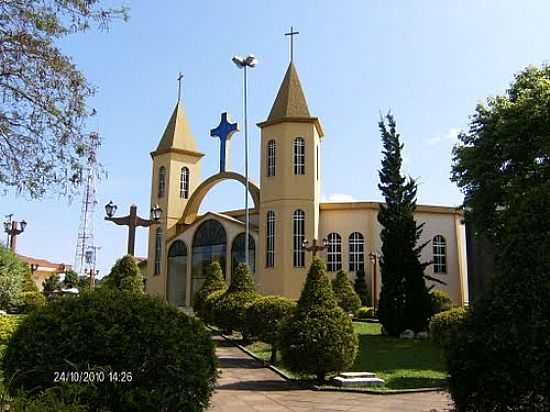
408	382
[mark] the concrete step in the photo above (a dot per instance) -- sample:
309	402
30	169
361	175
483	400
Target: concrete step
358	375
351	382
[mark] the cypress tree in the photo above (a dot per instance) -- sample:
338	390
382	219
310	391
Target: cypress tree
361	288
346	296
404	298
214	281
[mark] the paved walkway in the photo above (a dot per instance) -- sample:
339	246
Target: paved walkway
246	386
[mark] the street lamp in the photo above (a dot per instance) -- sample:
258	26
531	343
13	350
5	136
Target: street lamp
132	221
13	229
374	258
314	248
243	63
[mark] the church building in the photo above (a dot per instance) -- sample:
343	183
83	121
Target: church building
287	209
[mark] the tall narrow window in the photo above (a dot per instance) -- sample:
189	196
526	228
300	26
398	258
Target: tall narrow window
356	252
299	156
317	162
158	250
334	252
440	254
271	157
298	237
270	240
162	181
184	183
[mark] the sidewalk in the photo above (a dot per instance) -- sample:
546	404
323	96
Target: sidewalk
246	386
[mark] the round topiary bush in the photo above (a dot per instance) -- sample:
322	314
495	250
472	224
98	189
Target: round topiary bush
441	301
445	326
207	310
365	312
346	297
264	317
154	357
318	338
125	275
213	282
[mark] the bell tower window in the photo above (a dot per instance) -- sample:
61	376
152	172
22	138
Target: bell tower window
299	156
184	183
162	182
271	157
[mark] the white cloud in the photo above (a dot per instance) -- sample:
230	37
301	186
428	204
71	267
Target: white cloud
340	197
450	136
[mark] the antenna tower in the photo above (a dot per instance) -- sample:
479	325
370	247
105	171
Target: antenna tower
85	256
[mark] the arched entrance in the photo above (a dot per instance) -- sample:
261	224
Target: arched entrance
209	244
176	283
237	252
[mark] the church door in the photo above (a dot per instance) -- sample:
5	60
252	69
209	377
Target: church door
177	273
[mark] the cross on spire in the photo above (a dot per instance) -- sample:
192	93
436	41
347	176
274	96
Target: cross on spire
180	76
292	33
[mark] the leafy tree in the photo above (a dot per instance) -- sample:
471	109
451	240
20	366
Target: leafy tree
346	297
361	288
13	275
213	282
71	279
404	299
318	338
125	275
52	283
501	360
43	141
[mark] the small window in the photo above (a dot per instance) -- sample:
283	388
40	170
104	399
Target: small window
158	250
334	252
299	236
299	156
270	240
440	254
317	162
356	252
271	157
184	183
162	182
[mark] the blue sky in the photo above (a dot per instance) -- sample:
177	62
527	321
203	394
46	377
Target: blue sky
430	62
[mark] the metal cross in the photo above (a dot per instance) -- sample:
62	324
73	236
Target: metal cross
292	33
224	131
180	76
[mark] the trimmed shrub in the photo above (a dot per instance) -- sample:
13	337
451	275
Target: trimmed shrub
207	311
213	282
445	326
229	311
318	338
169	355
361	288
125	275
8	325
32	301
346	297
51	400
264	317
441	301
365	312
13	273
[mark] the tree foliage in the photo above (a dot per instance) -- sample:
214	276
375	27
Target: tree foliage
71	279
51	283
318	338
361	288
501	361
404	298
125	275
213	282
346	297
44	143
13	277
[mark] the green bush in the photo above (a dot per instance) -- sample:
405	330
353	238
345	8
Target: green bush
445	326
32	301
52	400
213	282
8	325
365	312
13	274
125	275
51	283
169	355
319	337
346	297
264	317
361	288
441	301
207	310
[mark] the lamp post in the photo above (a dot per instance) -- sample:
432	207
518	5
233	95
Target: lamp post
374	257
314	248
243	63
132	221
92	273
13	229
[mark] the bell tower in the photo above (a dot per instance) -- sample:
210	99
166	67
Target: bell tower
176	174
290	188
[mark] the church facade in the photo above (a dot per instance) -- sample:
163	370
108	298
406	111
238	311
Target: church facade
286	210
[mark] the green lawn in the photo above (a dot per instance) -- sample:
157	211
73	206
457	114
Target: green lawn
402	363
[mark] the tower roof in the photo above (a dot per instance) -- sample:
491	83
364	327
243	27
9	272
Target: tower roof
177	136
290	104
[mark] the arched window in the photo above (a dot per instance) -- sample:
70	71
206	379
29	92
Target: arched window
209	244
299	156
162	182
334	252
184	183
271	157
270	239
440	254
176	283
158	250
237	252
298	238
356	252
